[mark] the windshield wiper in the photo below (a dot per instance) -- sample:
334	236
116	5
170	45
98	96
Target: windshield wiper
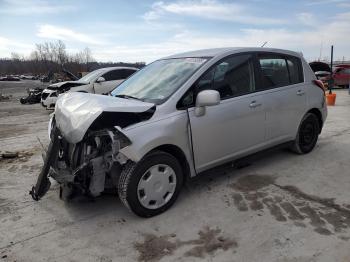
129	97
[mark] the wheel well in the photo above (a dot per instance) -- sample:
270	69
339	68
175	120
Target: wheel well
179	155
317	112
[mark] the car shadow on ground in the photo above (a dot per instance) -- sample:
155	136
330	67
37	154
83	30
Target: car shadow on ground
232	169
108	202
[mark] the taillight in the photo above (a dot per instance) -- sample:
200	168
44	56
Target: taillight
319	83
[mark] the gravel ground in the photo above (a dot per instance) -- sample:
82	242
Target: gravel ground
282	207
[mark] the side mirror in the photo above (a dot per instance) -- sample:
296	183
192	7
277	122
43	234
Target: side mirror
206	98
100	79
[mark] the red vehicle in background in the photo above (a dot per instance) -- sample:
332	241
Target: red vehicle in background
341	76
322	71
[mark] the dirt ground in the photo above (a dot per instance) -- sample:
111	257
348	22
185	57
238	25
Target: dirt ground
282	207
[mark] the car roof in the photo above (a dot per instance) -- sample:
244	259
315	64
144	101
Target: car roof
213	52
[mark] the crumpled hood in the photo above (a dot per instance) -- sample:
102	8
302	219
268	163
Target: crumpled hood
59	84
75	112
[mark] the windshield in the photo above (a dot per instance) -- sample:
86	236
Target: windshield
91	76
159	80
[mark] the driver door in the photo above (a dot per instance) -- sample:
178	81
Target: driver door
237	125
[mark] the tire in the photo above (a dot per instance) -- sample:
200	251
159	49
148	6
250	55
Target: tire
307	136
149	170
23	100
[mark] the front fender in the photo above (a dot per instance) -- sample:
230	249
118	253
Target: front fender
172	130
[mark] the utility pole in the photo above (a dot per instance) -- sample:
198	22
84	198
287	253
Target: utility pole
331	81
320	57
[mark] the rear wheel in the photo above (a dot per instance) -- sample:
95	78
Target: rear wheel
307	136
151	186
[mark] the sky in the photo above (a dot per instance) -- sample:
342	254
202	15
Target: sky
146	30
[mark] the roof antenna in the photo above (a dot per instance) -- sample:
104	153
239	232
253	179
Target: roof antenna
264	44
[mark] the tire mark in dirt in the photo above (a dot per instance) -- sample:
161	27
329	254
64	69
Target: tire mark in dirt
323	214
153	248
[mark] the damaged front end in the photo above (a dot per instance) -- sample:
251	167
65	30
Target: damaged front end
88	167
85	141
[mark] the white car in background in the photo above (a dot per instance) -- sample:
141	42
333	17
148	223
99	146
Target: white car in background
100	81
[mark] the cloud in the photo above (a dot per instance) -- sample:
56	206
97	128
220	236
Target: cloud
208	9
307	19
139	41
346	5
308	41
325	2
62	33
7	46
30	7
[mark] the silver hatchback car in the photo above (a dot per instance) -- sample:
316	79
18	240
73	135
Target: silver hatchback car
178	117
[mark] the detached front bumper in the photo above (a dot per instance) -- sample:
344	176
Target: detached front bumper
43	182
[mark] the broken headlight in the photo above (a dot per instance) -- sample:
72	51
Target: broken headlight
119	138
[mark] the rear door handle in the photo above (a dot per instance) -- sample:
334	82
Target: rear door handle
300	92
254	104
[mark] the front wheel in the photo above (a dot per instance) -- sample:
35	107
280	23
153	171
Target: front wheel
307	136
151	186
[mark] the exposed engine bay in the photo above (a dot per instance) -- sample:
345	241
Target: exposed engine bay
88	167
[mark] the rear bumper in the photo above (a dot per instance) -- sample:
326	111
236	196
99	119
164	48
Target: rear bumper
324	112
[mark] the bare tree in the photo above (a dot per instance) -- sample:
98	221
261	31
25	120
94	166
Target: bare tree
15	56
53	52
51	56
86	57
34	55
62	56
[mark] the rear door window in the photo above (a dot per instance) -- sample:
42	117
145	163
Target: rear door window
274	72
278	70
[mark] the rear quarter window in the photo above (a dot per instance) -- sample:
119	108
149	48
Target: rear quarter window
295	70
